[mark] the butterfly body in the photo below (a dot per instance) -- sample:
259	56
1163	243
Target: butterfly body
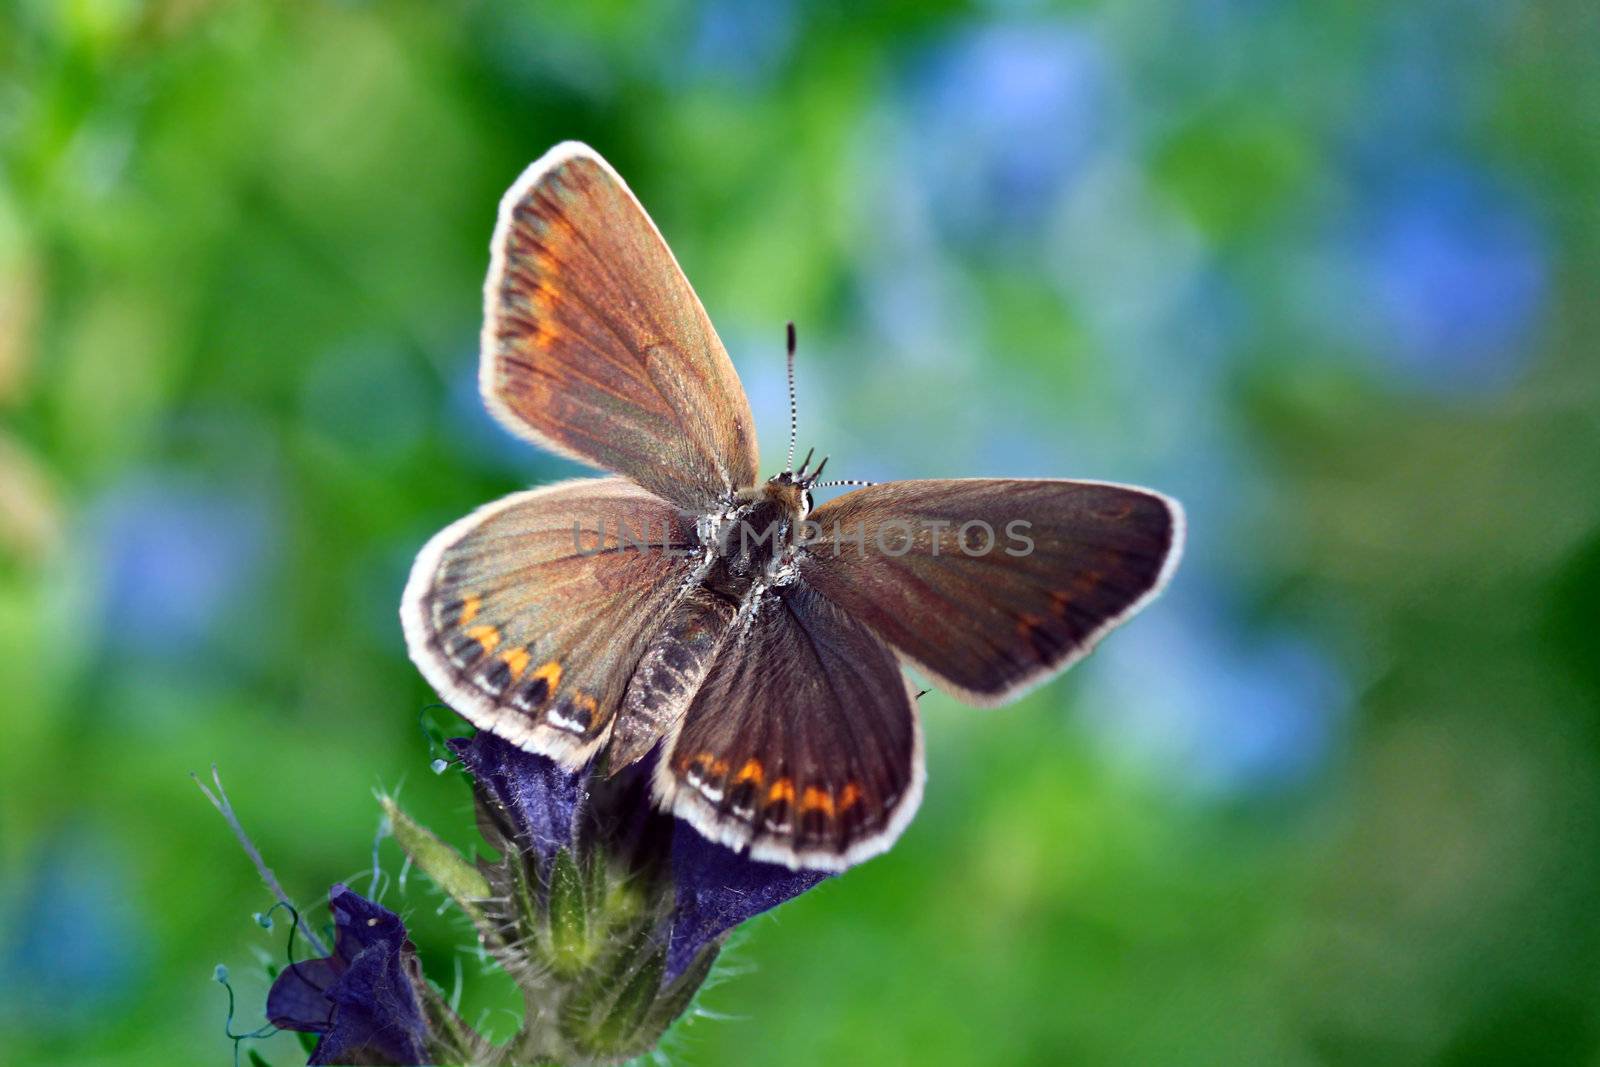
749	552
749	637
758	543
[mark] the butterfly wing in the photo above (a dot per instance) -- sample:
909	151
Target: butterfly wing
1068	561
595	346
802	743
529	622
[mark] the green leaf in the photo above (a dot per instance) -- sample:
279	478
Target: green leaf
619	1031
677	997
463	882
570	950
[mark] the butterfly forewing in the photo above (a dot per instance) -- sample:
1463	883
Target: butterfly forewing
595	346
991	585
802	743
529	615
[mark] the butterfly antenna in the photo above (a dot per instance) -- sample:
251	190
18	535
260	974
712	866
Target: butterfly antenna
839	481
794	410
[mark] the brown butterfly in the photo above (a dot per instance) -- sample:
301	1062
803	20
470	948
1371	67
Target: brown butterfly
687	604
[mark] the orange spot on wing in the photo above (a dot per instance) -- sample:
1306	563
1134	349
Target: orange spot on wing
557	228
782	789
551	673
544	297
750	772
816	799
849	796
708	764
588	703
471	604
517	659
487	636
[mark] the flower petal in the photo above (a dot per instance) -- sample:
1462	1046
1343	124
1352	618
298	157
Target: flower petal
363	998
540	799
717	889
299	997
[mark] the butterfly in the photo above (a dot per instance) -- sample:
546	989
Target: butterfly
685	606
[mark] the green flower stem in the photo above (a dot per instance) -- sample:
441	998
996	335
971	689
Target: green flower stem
580	933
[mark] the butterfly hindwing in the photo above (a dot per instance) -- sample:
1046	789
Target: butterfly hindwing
991	585
802	743
528	631
595	346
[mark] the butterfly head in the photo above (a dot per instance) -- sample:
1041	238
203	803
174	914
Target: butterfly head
792	488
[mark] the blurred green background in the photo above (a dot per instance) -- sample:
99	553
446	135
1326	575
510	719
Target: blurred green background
1327	273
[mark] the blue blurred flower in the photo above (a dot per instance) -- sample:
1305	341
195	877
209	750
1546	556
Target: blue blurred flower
1220	715
1455	271
73	940
745	40
1002	117
176	558
362	1000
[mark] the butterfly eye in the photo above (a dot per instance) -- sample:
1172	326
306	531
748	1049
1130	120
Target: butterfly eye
805	495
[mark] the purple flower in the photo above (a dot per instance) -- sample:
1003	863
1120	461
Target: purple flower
544	810
607	912
533	801
363	999
716	889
